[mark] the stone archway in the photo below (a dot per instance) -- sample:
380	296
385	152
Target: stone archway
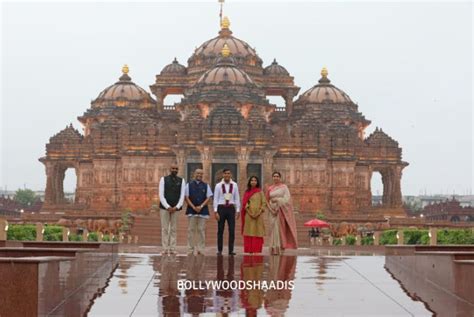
55	174
376	188
455	219
172	98
391	180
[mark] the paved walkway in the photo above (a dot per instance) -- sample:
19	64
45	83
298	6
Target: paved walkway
324	285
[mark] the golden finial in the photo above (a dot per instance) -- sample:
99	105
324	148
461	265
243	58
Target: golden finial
125	69
225	52
324	72
225	23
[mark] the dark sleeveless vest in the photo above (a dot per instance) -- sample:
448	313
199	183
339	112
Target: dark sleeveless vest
172	190
197	195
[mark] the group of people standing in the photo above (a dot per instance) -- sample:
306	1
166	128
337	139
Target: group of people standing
227	208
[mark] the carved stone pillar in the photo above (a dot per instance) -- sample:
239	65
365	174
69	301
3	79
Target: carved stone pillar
39	231
267	168
387	187
181	160
243	155
396	191
49	196
206	158
3	229
160	97
289	101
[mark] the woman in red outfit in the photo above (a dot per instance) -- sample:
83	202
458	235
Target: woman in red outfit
253	205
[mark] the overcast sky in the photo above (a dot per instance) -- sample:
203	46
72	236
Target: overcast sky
408	66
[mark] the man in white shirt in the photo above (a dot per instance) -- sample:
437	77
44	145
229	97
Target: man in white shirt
226	208
171	190
197	195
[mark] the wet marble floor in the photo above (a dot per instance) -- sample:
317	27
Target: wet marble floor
316	285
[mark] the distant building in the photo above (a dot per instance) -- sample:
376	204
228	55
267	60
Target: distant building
10	207
448	210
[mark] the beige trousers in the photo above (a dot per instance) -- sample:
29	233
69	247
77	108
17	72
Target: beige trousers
196	233
168	229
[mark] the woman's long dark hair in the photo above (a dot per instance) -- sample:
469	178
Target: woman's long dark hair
249	187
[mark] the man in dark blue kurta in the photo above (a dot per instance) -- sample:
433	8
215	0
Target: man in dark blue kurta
197	195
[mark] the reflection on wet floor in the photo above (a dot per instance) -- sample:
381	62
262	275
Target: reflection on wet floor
147	285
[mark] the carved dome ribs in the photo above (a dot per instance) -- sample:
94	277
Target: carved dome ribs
224	83
324	92
174	69
205	55
275	69
124	93
225	73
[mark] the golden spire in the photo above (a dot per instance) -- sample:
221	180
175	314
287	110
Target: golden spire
324	72
225	23
125	69
225	52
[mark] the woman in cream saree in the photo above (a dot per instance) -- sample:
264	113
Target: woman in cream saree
282	220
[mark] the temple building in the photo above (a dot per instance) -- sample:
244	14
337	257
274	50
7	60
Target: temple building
224	119
448	210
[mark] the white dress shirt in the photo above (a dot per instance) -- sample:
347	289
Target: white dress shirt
219	195
162	194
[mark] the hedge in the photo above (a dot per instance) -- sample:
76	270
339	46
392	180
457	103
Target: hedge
350	240
53	233
388	237
456	236
21	232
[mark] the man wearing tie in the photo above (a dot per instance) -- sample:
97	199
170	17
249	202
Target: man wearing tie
226	208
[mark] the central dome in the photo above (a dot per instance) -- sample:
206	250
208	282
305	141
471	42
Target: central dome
225	82
207	53
225	72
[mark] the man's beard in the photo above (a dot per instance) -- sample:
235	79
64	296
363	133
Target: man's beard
174	174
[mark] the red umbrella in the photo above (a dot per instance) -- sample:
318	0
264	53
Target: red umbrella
316	223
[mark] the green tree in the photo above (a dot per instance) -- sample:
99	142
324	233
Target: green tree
25	196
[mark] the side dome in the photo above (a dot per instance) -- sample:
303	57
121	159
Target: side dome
225	71
124	93
275	69
174	69
324	92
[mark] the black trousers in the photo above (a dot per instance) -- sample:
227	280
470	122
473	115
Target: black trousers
226	214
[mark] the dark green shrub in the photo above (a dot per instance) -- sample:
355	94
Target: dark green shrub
75	237
425	239
92	237
126	220
21	232
455	236
336	242
369	240
414	236
388	237
350	240
53	233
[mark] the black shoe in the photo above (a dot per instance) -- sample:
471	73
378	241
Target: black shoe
232	253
